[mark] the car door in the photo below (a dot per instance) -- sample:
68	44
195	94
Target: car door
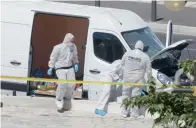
103	48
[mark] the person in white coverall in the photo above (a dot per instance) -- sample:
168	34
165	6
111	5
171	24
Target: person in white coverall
137	67
64	60
113	74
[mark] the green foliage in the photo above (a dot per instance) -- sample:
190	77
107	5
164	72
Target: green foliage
187	66
171	107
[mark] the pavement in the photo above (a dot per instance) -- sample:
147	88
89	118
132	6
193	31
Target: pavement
23	117
49	102
39	112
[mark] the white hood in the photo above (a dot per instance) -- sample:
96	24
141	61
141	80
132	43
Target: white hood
180	45
68	37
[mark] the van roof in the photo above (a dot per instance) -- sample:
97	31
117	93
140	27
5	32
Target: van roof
100	17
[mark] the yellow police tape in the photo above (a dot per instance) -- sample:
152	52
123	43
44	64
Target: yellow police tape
69	81
78	81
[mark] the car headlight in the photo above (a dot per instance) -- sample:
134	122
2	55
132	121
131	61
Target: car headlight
164	79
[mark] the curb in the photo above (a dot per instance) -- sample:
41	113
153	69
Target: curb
177	29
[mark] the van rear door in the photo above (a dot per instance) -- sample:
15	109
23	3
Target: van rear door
103	48
16	22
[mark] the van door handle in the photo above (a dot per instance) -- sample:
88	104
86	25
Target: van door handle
94	71
15	63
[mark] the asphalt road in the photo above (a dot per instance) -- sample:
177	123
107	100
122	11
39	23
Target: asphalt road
189	52
186	16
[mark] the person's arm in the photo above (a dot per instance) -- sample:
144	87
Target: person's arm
75	55
53	57
148	69
120	72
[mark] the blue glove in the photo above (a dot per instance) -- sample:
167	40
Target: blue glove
118	80
76	67
49	71
143	93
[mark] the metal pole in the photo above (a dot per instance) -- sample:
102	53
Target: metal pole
97	3
194	87
154	11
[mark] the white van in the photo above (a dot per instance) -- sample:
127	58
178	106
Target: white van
31	29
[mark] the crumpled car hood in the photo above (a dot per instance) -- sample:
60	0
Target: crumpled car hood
170	55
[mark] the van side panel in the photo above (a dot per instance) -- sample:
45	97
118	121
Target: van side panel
15	43
16	14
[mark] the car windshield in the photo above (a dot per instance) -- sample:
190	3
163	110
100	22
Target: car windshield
152	45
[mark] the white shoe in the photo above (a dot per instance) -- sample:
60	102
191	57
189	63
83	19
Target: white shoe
136	117
141	117
125	112
133	117
59	104
124	115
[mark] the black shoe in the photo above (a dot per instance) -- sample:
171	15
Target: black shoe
60	110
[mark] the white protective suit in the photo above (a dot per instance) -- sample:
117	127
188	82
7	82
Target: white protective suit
109	92
63	56
136	65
